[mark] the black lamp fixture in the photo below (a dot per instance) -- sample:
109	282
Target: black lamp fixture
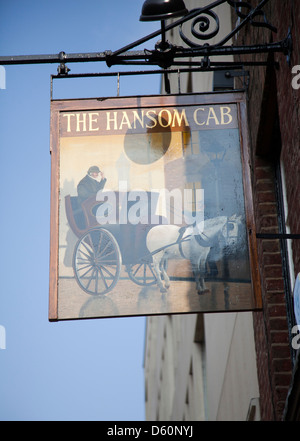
162	9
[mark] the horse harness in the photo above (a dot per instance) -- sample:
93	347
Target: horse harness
182	239
199	239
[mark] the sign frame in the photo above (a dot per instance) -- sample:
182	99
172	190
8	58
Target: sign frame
94	105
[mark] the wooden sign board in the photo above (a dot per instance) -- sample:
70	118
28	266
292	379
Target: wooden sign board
151	208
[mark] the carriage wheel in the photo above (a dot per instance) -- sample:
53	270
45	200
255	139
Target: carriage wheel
97	261
141	274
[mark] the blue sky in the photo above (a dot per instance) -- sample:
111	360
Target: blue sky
75	370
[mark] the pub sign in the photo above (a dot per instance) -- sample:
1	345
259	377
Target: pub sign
151	209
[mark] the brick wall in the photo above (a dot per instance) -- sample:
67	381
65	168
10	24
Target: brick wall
272	99
270	325
287	14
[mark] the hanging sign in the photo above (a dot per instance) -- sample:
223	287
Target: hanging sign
151	209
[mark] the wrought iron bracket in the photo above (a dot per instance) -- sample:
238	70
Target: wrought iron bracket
62	68
196	31
271	236
204	25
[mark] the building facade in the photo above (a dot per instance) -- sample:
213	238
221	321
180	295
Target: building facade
244	366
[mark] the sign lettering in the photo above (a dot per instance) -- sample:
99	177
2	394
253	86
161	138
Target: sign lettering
120	121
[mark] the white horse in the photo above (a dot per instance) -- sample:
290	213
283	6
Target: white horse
192	243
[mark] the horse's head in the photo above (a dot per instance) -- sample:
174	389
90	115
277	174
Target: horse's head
220	230
230	230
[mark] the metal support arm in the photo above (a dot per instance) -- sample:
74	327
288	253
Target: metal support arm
204	24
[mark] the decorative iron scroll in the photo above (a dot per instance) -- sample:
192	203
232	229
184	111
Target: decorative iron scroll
206	23
255	12
204	32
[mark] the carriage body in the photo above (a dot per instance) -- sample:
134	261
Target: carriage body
102	249
131	238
